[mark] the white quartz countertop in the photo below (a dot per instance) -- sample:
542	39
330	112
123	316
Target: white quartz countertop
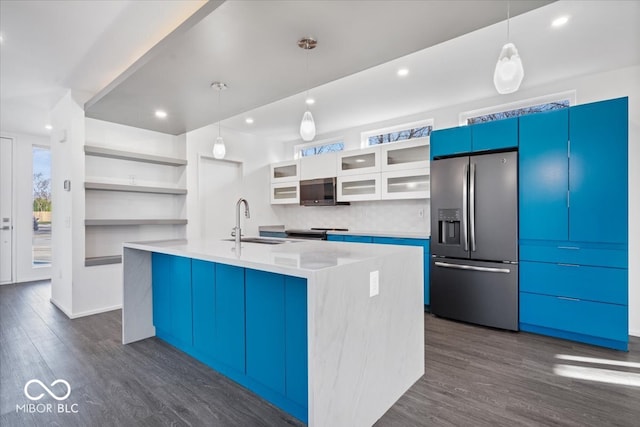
398	234
296	258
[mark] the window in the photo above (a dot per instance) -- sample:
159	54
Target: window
41	239
318	147
529	106
519	112
397	133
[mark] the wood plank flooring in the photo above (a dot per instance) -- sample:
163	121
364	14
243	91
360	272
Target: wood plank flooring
474	377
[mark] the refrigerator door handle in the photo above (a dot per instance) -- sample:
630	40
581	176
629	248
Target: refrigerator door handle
465	181
472	206
472	267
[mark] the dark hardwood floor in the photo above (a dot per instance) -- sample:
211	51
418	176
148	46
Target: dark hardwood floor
474	377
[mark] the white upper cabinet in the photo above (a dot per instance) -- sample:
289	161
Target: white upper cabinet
406	184
318	166
356	162
283	193
285	171
359	187
413	154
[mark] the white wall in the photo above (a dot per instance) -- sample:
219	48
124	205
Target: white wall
23	199
589	88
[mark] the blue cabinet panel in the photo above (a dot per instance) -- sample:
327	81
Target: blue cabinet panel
544	175
171	278
203	285
358	239
608	321
494	135
587	283
450	141
296	373
335	238
230	316
598	171
265	311
614	256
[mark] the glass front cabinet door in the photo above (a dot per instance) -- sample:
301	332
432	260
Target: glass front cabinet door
285	171
359	187
357	162
413	154
285	193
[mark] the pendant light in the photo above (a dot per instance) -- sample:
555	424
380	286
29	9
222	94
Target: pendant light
509	72
219	150
308	125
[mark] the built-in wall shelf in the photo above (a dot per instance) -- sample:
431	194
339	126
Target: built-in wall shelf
133	188
92	150
122	222
102	260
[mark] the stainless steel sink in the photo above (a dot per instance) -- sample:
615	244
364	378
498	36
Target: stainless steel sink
263	240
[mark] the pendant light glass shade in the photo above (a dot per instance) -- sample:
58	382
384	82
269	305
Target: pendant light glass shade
509	72
307	127
219	150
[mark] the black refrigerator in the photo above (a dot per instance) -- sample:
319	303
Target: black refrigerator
474	242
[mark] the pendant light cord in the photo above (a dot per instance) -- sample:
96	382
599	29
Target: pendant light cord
308	78
508	17
219	94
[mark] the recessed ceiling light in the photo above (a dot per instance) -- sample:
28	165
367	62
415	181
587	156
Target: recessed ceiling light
248	120
402	72
161	114
559	22
48	127
310	101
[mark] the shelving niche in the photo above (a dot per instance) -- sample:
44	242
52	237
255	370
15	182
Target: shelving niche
130	196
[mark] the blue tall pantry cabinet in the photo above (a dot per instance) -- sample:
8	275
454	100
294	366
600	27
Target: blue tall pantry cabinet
574	223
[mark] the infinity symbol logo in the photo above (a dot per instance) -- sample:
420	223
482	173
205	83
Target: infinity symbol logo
52	394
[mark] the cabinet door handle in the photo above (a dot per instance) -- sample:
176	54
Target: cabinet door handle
569	299
573	248
568	265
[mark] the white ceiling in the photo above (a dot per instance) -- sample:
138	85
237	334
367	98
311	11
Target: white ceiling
251	45
51	46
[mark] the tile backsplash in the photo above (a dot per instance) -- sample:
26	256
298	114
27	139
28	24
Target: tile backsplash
381	216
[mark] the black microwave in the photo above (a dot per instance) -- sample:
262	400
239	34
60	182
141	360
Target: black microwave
319	192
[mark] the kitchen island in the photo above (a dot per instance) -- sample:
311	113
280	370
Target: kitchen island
330	332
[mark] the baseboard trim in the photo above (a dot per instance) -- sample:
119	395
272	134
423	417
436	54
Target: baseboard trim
83	313
634	333
61	307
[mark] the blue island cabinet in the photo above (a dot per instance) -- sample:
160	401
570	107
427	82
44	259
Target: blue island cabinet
247	324
573	223
171	294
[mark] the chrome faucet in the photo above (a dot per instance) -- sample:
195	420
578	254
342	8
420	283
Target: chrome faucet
237	232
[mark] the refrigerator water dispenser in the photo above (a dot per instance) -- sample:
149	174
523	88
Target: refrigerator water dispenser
449	226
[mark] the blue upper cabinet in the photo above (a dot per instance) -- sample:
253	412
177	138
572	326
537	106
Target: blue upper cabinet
450	141
598	172
494	135
544	175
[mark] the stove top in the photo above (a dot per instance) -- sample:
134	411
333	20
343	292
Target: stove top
329	229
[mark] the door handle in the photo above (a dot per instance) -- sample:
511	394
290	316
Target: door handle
472	267
569	299
465	177
472	206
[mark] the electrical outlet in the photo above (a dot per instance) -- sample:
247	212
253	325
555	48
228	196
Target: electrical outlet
374	283
421	213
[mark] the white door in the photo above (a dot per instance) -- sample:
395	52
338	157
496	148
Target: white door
219	187
6	208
